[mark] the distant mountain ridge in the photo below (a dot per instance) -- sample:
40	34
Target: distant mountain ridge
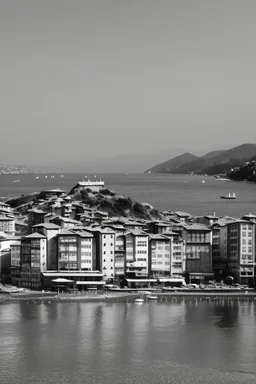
172	164
211	163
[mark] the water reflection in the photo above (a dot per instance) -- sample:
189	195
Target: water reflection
103	342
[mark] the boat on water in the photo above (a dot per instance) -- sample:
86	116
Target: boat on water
152	297
218	178
229	196
139	300
16	181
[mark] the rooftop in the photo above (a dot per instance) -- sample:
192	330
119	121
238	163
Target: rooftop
196	227
34	235
47	226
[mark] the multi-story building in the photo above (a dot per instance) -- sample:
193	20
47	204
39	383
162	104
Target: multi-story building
15	263
178	257
241	251
50	230
33	250
137	255
119	258
75	251
35	216
159	256
198	240
7	225
105	251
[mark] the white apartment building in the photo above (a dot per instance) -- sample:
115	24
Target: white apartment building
160	256
137	254
105	251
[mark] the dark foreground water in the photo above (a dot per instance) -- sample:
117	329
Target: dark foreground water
178	342
197	195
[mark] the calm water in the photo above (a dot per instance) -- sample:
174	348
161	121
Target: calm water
177	342
177	192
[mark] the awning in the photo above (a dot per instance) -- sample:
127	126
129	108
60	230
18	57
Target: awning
62	280
141	280
200	274
180	280
90	283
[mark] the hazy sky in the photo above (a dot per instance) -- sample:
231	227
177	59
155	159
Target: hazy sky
82	78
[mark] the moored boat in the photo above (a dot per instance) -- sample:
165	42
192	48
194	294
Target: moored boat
139	300
152	297
229	196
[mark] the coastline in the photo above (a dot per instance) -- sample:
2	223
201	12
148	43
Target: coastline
127	297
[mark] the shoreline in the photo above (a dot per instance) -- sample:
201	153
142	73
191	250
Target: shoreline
127	297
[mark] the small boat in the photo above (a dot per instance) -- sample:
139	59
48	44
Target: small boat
229	196
16	181
46	177
152	297
139	300
37	177
218	178
61	175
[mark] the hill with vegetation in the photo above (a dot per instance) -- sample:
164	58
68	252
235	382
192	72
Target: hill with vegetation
246	171
115	204
105	200
216	162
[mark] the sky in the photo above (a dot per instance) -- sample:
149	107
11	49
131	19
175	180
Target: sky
88	79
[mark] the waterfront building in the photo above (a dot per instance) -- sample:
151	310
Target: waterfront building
177	254
75	251
159	256
33	250
50	230
241	251
198	240
137	255
105	251
72	280
15	263
120	250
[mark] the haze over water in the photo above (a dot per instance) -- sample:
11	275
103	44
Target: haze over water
176	192
172	342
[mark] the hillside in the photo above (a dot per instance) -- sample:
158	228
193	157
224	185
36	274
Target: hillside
246	171
217	161
170	165
105	200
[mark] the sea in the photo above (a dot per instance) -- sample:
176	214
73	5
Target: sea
186	341
198	195
183	341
